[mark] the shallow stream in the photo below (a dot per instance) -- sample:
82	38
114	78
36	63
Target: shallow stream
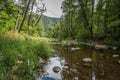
80	62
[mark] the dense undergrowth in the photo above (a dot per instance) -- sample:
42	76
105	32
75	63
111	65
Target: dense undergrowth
18	57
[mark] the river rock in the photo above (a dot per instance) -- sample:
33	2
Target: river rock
114	48
76	48
101	47
115	55
56	69
65	67
54	55
75	78
87	60
45	73
119	61
41	61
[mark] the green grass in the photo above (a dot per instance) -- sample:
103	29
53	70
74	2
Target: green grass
28	51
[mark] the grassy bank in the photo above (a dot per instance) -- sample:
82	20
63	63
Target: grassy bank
19	56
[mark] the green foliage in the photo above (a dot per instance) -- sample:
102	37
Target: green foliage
99	19
15	50
42	49
49	21
112	43
114	30
114	24
83	36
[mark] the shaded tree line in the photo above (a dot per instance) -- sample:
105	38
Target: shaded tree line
90	20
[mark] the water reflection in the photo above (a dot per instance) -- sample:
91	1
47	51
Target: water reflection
103	66
53	69
54	61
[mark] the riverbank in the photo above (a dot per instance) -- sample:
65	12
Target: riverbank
97	45
20	55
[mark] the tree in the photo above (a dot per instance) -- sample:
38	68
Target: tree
24	16
41	10
31	10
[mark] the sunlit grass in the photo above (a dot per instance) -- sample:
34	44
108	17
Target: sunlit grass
20	54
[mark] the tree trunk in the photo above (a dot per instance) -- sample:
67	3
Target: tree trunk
38	19
16	24
30	16
91	26
86	23
106	16
40	16
24	16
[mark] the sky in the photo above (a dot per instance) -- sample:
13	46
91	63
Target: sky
53	8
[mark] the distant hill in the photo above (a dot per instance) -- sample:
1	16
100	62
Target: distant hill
49	21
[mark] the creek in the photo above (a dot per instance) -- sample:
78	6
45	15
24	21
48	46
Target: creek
81	62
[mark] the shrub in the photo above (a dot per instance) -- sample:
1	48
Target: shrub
83	36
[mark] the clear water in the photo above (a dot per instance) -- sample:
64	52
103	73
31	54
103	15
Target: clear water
104	66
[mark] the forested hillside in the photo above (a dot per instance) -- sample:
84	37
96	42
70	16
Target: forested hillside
49	21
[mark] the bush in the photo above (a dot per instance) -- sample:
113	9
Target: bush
112	43
83	36
114	30
42	49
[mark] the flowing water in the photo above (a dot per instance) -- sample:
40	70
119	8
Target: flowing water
103	64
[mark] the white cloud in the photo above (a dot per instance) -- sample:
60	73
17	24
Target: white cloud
53	8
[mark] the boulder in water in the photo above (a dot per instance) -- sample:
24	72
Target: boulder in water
87	59
119	61
101	47
76	48
114	48
56	69
45	73
75	78
115	55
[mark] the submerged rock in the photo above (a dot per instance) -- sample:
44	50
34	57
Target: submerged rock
101	47
114	48
54	55
75	78
87	59
119	61
56	69
65	67
87	65
45	73
115	55
76	48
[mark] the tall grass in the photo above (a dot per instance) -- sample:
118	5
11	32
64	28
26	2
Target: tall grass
18	57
